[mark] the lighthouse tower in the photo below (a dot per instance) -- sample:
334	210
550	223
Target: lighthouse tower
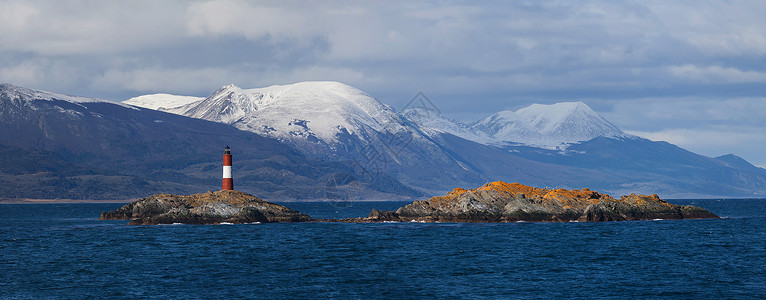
228	183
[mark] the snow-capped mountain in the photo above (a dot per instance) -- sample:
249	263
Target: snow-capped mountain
508	128
307	111
328	112
568	122
162	102
543	126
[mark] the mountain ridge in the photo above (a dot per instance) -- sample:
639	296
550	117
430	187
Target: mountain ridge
537	125
19	93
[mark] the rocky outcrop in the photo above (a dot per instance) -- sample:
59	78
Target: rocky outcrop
223	206
510	202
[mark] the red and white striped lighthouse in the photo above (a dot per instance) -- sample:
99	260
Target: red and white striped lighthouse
228	183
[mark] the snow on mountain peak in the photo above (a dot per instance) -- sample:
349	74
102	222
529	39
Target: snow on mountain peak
315	110
568	122
546	117
433	122
498	121
22	93
507	127
538	125
163	102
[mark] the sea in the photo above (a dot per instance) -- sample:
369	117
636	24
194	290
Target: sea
62	251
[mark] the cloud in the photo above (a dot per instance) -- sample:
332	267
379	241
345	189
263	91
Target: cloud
24	73
154	80
233	17
16	16
88	27
716	74
716	28
38	72
537	48
655	114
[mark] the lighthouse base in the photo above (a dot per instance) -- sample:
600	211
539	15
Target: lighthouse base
228	184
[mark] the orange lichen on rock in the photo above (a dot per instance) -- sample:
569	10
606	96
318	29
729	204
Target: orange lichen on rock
457	192
440	200
564	197
513	189
644	200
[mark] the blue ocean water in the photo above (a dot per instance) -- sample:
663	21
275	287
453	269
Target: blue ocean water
63	251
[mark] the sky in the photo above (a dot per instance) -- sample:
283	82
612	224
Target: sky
692	73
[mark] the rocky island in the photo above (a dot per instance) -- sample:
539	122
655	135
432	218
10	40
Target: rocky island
224	206
510	202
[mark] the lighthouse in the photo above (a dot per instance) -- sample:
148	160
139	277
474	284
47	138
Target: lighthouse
228	183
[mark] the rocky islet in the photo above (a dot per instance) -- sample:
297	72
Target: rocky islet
511	202
224	206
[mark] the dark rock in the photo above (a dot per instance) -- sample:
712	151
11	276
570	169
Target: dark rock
207	208
384	215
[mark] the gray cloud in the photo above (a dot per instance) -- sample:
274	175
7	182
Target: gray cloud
471	58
